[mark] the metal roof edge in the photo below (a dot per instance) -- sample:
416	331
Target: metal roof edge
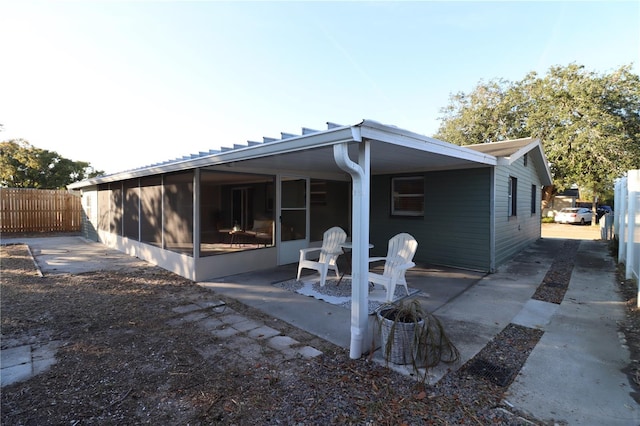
523	150
393	134
542	158
333	135
536	146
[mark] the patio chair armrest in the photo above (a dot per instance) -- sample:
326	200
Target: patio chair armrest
399	270
406	266
305	251
376	259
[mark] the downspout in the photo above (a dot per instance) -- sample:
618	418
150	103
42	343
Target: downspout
360	238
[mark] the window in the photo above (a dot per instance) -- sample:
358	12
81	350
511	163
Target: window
512	198
534	199
526	160
407	196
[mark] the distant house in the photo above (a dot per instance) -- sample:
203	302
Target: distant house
255	206
566	198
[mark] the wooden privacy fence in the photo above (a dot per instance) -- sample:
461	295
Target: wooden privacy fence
39	210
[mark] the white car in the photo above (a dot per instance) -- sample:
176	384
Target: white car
579	215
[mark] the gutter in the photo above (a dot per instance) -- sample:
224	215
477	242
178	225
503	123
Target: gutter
360	173
266	149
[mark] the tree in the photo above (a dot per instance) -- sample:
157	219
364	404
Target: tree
25	166
589	123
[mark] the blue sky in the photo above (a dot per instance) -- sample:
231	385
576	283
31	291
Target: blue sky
125	84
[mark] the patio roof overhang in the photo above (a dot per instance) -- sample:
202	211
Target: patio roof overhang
393	150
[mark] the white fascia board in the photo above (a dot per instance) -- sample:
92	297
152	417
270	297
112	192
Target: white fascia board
534	149
298	143
547	179
524	150
394	135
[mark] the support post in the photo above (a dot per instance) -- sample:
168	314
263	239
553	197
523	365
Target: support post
360	173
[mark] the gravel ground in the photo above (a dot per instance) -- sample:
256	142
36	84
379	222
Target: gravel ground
121	362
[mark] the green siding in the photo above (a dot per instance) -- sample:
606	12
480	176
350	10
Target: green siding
455	230
516	232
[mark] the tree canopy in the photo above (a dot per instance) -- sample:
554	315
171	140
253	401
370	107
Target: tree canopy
25	166
589	123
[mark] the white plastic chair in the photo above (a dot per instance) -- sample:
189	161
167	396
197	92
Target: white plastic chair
400	252
329	252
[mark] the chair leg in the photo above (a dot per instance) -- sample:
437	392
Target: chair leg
323	275
299	270
335	268
401	281
391	290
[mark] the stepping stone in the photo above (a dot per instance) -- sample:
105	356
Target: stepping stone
15	356
264	332
195	316
246	325
15	373
47	351
247	348
224	333
233	319
225	310
206	304
210	323
309	352
281	342
186	308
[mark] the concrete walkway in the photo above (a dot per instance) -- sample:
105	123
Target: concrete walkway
573	375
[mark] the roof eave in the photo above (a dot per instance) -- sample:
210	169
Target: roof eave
534	147
298	143
394	135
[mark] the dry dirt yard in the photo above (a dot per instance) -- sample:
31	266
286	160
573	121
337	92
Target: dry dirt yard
124	359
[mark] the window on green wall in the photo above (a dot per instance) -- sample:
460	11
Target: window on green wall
513	196
407	196
534	199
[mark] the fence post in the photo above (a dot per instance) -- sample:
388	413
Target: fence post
633	191
621	212
606	227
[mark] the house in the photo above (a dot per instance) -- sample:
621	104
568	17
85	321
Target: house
566	198
470	207
255	206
